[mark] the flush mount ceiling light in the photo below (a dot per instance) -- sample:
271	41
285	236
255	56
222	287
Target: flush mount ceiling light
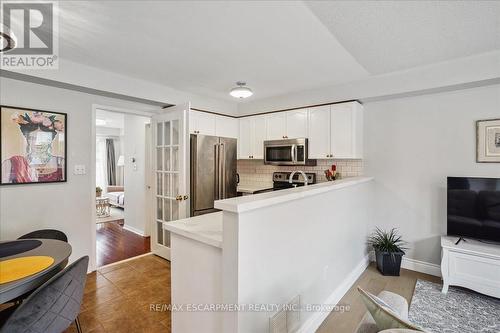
241	91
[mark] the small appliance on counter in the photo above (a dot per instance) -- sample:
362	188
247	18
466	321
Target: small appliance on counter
281	180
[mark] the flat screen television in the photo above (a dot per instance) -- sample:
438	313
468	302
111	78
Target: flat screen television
474	208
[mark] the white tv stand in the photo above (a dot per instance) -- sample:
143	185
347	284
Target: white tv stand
471	264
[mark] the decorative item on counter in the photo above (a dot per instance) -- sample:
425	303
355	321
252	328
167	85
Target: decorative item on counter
332	174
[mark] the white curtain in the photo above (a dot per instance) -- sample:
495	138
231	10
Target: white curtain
100	163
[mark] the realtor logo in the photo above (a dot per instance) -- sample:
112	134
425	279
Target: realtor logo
28	36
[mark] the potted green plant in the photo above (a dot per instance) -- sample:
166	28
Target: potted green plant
98	192
389	250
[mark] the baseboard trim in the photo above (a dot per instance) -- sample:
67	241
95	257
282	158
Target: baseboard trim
134	230
416	265
317	318
421	266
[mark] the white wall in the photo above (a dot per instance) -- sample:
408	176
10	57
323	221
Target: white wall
411	146
310	247
135	178
65	206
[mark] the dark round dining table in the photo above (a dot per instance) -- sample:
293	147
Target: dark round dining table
56	249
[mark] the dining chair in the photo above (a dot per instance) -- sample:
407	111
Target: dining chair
53	306
46	234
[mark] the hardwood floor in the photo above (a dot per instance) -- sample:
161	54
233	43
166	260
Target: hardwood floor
114	243
374	282
117	298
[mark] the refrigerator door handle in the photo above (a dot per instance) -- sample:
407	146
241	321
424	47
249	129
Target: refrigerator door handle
217	166
223	170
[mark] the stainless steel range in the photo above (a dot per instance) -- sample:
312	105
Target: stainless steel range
281	180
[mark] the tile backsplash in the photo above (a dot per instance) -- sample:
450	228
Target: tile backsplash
255	172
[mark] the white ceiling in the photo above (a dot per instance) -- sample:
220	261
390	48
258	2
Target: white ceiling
388	36
205	47
277	47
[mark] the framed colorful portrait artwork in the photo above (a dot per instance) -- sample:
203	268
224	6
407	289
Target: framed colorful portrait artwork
33	146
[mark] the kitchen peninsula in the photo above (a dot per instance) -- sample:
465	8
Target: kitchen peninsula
270	248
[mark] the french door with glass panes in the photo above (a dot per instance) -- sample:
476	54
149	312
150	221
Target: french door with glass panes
171	163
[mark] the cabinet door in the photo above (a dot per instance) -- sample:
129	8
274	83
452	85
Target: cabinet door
319	132
258	137
245	139
202	123
276	126
226	127
342	126
296	124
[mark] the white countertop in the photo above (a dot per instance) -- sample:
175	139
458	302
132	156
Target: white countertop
206	228
252	188
251	202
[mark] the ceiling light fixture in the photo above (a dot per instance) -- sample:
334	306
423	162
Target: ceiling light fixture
241	91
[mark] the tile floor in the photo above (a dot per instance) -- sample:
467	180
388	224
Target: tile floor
117	298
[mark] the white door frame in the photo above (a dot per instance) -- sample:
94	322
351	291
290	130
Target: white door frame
92	226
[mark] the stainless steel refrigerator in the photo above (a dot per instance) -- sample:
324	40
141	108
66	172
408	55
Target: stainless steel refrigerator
213	171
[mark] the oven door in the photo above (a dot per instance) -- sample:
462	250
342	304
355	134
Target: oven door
279	154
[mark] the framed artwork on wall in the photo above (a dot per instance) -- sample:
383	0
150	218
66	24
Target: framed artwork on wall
488	140
33	146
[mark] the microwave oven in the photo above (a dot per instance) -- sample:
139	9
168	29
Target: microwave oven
287	152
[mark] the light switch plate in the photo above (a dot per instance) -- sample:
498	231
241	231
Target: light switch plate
79	169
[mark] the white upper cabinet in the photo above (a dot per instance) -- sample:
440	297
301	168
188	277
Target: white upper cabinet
296	124
334	131
226	126
319	132
252	136
245	144
259	136
346	121
201	123
276	126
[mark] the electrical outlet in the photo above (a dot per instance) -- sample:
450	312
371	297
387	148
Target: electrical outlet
293	314
277	323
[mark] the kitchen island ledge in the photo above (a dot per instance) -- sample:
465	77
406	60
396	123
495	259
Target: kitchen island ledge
251	202
206	228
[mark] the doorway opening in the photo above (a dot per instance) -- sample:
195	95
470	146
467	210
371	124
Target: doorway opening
122	172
